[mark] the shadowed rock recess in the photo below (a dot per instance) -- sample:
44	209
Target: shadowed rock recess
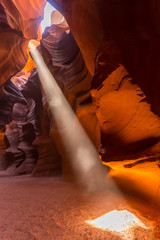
105	57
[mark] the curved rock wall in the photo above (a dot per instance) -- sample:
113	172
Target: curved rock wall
24	16
122	37
106	63
13	49
69	70
9	95
127	123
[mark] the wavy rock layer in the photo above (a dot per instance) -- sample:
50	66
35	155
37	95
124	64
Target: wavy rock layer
123	37
69	70
119	43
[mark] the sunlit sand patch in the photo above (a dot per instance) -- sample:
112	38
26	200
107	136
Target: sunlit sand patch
120	222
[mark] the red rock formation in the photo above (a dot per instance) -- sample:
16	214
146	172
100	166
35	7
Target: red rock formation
19	136
9	95
13	46
18	23
69	69
13	54
49	159
126	119
125	32
119	42
13	156
25	16
70	72
84	22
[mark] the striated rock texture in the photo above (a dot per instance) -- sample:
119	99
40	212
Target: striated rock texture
19	135
68	68
9	95
13	49
13	55
13	155
127	123
49	159
122	38
106	63
24	16
70	72
19	22
84	21
15	28
32	90
18	115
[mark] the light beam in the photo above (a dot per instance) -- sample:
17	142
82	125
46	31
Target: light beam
83	156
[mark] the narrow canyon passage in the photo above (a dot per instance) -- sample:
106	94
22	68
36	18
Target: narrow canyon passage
79	120
51	209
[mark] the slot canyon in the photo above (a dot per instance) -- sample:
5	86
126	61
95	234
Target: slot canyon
79	120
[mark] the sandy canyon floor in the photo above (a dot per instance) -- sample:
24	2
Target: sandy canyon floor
47	208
